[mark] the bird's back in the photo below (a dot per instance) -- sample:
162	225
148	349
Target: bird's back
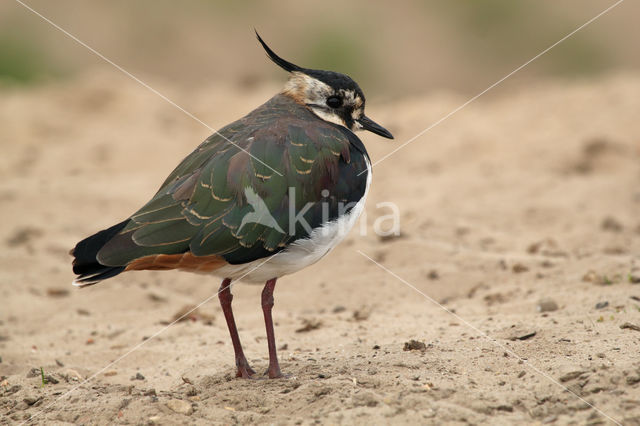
280	153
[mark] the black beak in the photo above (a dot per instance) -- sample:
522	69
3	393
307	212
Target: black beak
372	126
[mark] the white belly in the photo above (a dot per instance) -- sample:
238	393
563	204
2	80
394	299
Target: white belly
301	253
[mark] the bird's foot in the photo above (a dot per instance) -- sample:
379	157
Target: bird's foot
244	370
274	373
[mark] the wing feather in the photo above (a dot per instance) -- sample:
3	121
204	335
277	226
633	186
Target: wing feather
205	204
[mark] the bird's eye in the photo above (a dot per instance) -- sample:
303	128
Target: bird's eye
334	101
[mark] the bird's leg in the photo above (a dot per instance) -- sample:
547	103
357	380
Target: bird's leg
225	296
267	305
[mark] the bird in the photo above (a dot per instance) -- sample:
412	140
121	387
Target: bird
263	197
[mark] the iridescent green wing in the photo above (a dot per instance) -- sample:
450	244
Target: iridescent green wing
222	200
161	226
318	182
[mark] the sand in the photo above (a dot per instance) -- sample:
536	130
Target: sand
523	201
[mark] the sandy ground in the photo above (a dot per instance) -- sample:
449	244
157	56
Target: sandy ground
520	197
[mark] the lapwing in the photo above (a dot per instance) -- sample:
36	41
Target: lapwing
264	197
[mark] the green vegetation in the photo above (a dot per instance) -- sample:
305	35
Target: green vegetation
460	44
334	49
489	15
20	61
578	56
517	29
44	381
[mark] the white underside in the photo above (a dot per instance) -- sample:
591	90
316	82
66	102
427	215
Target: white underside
301	253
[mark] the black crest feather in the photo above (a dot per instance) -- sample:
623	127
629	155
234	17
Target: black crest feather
285	65
334	79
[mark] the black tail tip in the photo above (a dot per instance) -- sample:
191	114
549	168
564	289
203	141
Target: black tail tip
85	263
99	274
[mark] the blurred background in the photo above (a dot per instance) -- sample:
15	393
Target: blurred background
528	195
420	46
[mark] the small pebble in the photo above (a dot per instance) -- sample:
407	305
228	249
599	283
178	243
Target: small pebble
57	292
50	379
630	326
571	375
70	375
519	268
547	305
414	345
602	305
34	372
362	314
30	400
632	380
138	376
180	406
611	224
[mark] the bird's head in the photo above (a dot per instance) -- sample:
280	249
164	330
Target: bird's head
332	96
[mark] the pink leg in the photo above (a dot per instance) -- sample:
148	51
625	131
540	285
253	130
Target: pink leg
225	296
267	305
